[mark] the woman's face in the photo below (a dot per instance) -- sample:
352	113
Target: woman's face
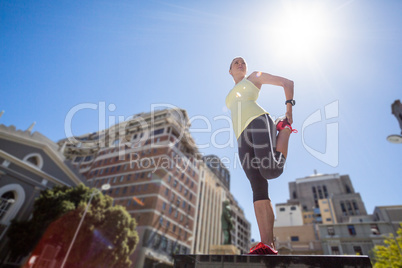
238	66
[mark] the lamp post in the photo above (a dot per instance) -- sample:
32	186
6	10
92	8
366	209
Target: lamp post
104	187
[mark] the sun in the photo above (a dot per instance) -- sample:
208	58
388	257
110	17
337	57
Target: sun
300	30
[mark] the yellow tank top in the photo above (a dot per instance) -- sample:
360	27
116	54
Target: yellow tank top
241	102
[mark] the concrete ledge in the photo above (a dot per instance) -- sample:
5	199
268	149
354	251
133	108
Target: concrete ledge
271	261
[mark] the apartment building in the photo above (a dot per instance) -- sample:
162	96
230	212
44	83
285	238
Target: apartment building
361	233
152	165
213	191
314	200
325	215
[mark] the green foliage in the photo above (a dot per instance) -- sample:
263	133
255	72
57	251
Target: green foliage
106	238
390	255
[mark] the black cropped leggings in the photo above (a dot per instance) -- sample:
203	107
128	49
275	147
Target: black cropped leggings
258	155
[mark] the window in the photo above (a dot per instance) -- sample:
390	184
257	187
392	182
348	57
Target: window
349	206
374	229
76	160
281	209
358	250
294	238
88	158
355	207
164	243
164	206
6	200
325	191
292	208
320	192
158	131
331	230
335	251
347	188
351	229
343	209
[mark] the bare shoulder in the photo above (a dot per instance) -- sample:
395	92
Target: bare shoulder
255	78
261	78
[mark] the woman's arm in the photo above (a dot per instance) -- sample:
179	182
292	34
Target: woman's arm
259	79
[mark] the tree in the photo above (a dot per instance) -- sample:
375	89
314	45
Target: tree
390	255
106	238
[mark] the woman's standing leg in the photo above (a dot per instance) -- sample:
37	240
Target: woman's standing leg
271	166
265	219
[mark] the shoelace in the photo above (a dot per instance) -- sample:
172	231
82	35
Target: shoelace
292	129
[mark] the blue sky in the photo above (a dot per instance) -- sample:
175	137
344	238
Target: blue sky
55	55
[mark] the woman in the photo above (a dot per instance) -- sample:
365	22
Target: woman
262	152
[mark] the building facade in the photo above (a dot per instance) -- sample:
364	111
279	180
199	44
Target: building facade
362	233
325	215
29	163
214	190
156	171
152	165
316	199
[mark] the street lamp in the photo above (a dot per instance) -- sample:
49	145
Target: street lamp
104	187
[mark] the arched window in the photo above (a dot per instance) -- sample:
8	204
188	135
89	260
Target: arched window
12	197
34	159
6	201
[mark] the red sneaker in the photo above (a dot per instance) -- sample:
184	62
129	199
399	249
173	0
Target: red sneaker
262	249
282	123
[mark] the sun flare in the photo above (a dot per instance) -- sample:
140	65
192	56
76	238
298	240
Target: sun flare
300	30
